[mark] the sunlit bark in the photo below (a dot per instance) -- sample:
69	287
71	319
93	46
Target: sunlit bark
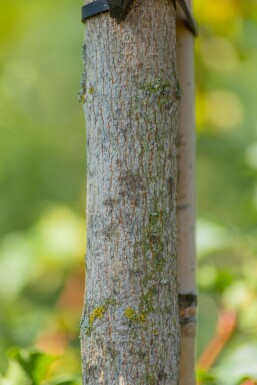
130	324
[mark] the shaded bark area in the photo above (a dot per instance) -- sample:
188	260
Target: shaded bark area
130	323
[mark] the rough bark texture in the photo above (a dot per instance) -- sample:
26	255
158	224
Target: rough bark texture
130	323
186	216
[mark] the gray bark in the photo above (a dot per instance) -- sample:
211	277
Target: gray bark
130	323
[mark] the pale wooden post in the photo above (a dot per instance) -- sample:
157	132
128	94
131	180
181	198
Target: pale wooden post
186	215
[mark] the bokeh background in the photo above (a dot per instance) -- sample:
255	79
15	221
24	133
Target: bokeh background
43	191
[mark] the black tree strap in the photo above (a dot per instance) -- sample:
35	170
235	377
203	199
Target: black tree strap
119	8
94	8
192	24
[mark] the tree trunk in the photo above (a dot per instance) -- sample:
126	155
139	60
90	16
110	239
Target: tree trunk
130	324
186	203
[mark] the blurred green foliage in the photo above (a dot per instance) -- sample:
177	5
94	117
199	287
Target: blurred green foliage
226	61
42	154
42	178
32	367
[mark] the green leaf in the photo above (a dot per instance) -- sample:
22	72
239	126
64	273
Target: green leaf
33	362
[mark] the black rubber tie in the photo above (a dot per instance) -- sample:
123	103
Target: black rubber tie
94	8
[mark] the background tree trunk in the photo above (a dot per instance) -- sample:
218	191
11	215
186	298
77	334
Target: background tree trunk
186	215
130	324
